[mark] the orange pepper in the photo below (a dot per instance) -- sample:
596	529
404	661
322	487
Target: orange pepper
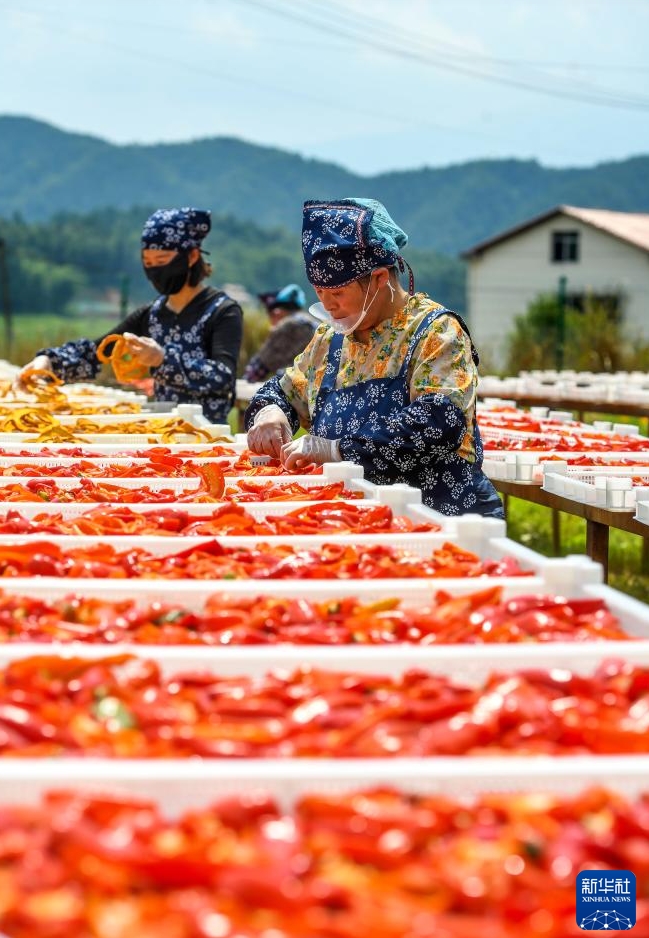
125	368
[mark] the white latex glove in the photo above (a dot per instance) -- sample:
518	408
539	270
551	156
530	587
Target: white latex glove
144	349
40	363
269	432
309	449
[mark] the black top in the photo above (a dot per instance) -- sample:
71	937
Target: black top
201	346
222	333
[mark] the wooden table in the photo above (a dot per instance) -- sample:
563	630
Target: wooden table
599	521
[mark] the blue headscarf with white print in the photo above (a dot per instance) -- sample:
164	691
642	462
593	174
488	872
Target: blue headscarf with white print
347	239
176	229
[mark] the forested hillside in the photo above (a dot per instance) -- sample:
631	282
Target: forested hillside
44	170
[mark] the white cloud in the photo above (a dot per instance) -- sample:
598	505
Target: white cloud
27	35
228	24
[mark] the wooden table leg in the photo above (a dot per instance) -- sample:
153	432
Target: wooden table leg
644	557
556	532
597	544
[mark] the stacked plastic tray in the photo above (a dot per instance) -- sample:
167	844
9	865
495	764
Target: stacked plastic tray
526	456
587	386
616	488
616	480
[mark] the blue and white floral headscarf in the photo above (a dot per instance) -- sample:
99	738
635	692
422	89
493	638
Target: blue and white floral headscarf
175	229
345	240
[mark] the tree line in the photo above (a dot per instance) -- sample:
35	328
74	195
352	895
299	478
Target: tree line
51	263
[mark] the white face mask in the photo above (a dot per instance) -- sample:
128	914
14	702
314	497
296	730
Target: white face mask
347	324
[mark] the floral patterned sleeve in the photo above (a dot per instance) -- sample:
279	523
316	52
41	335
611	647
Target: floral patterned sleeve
77	360
74	361
438	419
443	364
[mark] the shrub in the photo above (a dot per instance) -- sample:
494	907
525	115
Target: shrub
594	339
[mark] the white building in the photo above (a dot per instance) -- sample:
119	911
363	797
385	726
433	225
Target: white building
600	253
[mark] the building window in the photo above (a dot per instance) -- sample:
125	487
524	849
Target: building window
565	246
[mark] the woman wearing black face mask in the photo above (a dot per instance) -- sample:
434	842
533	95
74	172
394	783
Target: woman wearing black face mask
189	336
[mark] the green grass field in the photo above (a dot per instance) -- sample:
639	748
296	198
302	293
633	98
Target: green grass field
33	331
531	525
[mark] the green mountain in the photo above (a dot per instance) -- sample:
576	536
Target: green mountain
44	170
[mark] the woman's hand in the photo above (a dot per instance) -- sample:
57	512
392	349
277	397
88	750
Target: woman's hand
145	350
40	363
270	431
309	449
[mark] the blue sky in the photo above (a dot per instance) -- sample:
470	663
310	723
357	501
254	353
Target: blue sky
373	86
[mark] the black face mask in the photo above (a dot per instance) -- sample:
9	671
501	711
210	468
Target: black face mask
169	278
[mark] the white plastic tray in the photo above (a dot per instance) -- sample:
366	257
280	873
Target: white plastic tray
178	785
94	388
466	664
346	472
246	390
483	536
588	387
259	510
584	431
78	402
574	577
83	393
642	513
465	534
470	664
400	498
193	594
528	466
557	424
462	662
608	487
105	461
136	439
192	413
498	408
102	450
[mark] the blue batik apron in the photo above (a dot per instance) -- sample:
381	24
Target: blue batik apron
449	483
216	407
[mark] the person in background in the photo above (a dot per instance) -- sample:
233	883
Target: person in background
389	383
292	328
190	335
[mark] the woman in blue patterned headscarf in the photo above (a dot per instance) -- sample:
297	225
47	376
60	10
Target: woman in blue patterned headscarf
388	381
189	336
